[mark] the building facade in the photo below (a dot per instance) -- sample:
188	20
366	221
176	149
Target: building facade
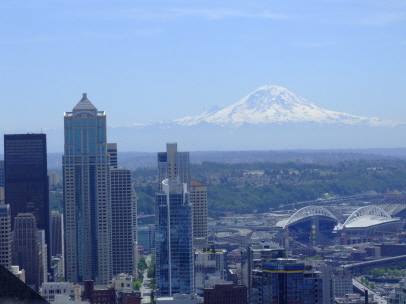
26	179
173	165
286	281
27	249
210	268
86	183
53	289
173	225
398	295
198	199
124	222
57	232
342	282
226	293
1	173
5	236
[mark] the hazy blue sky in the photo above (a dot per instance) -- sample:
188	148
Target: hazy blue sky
147	61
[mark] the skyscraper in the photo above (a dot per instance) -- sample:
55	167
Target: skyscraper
57	233
124	222
173	225
27	249
173	165
1	173
286	281
87	210
5	236
198	199
58	245
26	179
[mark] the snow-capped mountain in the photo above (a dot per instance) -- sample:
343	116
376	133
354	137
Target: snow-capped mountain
275	105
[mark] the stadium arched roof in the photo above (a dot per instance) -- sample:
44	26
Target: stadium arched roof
367	212
308	212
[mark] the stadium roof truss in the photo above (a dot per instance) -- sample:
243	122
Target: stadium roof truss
308	212
366	211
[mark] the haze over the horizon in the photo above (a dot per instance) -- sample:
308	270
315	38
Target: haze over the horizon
149	62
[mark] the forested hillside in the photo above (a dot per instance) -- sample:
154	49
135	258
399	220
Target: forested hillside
244	188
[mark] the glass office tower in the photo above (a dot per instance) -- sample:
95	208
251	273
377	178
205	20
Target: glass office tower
26	179
87	210
173	225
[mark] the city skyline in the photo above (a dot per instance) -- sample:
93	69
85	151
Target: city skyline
184	58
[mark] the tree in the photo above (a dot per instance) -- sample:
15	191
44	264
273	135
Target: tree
142	264
151	268
137	284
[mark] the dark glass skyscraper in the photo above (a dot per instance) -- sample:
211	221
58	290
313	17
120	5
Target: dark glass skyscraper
286	281
173	225
87	214
26	179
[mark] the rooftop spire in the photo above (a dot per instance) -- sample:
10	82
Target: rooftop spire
84	104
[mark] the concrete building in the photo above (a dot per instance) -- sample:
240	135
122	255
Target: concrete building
398	295
43	249
198	199
5	236
27	250
210	268
52	289
342	282
124	222
54	178
58	246
86	183
20	274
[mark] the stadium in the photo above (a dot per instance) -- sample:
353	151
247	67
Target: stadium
313	225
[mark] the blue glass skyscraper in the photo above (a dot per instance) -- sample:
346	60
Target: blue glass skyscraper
87	201
173	227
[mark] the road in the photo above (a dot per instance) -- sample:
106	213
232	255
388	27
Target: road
377	298
145	289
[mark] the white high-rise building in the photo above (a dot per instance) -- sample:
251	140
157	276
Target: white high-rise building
86	183
198	198
124	222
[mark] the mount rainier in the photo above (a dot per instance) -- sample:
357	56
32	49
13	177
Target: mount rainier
269	118
275	105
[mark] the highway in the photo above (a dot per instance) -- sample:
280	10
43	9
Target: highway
372	295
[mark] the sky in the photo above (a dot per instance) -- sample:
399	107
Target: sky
149	61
